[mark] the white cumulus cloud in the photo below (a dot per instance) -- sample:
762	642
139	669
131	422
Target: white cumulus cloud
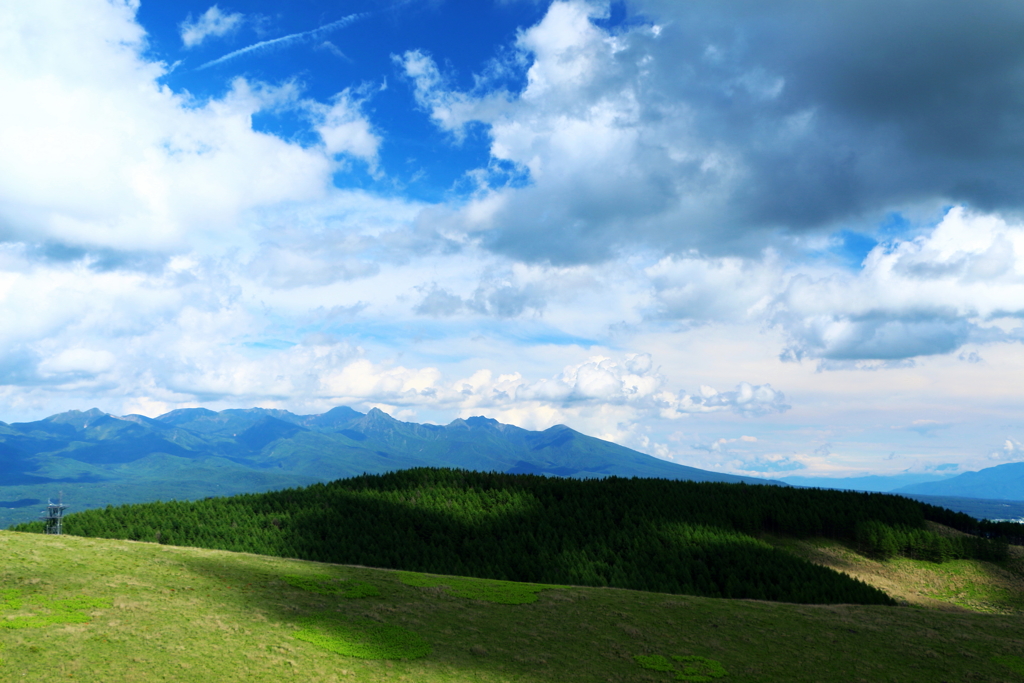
962	281
345	130
212	22
98	154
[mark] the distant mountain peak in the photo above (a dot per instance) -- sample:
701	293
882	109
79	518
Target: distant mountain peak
341	412
481	421
75	414
377	414
79	419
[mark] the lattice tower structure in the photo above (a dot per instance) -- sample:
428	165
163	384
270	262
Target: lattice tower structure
54	516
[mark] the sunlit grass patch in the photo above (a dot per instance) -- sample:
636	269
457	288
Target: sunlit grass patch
685	667
979	586
10	599
1014	663
55	610
329	585
654	662
488	590
361	638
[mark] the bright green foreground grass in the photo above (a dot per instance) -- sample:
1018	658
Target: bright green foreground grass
100	610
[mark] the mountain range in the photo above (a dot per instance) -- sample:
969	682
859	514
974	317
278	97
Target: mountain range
99	459
102	459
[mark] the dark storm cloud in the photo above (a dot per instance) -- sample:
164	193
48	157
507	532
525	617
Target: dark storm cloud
734	121
910	100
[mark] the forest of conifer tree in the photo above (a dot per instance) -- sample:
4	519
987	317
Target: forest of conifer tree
645	534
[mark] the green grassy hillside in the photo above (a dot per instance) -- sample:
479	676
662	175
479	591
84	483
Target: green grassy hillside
667	536
647	534
989	587
103	610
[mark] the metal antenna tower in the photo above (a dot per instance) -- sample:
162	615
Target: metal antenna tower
54	515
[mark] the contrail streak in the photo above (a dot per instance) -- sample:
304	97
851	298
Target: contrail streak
285	40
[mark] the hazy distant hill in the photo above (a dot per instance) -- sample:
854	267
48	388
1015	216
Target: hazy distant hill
874	482
972	493
979	508
101	459
1002	482
1005	482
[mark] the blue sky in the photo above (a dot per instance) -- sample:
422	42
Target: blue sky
768	239
326	48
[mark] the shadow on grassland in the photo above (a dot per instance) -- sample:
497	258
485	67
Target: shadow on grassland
573	634
192	614
468	639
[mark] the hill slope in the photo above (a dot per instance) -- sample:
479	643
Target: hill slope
141	611
100	459
1004	482
957	585
646	534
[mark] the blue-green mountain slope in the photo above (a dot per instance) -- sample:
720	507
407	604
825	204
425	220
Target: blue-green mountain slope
1004	482
101	459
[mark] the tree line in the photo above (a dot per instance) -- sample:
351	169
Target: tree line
644	534
885	542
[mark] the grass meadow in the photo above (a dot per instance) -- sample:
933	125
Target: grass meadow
84	609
